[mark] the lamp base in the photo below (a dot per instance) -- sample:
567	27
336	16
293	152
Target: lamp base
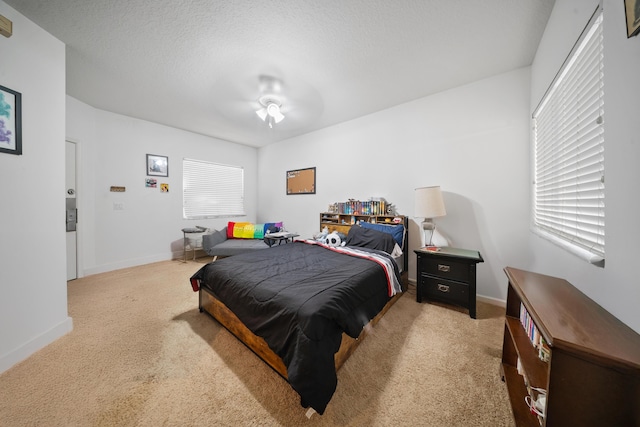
434	237
438	239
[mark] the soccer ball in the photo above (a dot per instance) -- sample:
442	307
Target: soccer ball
333	240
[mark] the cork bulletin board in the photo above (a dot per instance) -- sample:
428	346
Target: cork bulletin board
301	181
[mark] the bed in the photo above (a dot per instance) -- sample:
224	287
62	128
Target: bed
303	307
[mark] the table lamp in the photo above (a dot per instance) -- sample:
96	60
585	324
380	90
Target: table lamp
428	205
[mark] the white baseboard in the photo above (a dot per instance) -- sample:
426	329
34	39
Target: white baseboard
492	301
27	349
104	268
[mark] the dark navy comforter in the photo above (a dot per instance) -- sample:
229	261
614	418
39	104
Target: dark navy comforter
300	298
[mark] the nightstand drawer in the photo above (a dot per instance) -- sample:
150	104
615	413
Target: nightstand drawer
445	290
445	268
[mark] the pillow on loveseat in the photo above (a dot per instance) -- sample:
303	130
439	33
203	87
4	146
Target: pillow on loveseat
248	230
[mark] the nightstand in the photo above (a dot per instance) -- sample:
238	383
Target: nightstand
449	276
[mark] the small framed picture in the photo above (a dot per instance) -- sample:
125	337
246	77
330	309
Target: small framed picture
10	121
157	165
632	13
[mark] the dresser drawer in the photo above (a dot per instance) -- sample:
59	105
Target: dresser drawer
445	290
445	268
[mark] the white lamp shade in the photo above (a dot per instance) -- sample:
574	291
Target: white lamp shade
429	202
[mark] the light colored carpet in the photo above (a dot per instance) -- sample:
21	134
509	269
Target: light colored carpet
141	354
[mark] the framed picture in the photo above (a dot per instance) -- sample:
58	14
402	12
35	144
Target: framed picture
157	165
301	181
10	121
632	12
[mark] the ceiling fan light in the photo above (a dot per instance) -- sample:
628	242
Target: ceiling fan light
274	111
270	111
262	113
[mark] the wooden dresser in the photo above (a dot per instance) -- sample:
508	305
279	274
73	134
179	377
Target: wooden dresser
591	371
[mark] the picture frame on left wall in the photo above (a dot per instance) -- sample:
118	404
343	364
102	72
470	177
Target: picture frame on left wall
157	165
10	121
632	15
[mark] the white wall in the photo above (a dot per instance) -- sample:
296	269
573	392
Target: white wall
616	286
112	151
472	141
33	288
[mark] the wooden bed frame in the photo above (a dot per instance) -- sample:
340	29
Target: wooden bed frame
209	303
212	305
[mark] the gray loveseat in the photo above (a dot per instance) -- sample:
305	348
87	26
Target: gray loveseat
216	244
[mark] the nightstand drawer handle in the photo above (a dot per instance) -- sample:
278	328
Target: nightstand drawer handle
443	267
443	288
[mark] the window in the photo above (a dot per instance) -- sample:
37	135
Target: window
211	190
569	151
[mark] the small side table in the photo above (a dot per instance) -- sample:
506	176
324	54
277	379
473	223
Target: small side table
449	276
185	240
279	237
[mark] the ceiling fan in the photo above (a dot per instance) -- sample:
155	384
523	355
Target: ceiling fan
256	99
270	102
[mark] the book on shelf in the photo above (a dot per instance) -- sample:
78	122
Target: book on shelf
536	338
544	352
519	367
358	207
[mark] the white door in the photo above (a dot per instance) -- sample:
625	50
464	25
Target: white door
71	212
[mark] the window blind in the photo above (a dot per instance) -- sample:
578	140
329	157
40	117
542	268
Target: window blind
212	190
569	195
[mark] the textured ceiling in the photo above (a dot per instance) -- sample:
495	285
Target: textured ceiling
195	64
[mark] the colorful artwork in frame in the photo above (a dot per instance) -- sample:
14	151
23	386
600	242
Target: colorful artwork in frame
632	14
10	121
157	165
